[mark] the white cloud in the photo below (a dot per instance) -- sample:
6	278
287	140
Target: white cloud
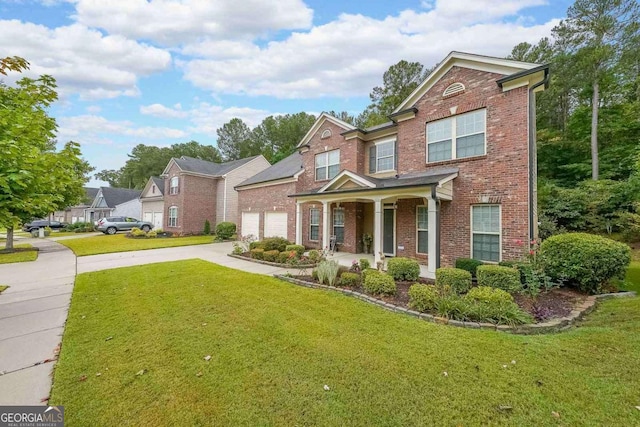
83	60
206	118
159	110
172	22
91	129
94	109
348	56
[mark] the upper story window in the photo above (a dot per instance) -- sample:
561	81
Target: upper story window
382	157
173	185
457	137
327	165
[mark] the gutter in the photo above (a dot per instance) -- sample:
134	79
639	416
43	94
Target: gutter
533	165
224	200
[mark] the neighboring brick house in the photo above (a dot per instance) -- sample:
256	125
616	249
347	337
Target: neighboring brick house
111	201
152	201
451	175
75	213
198	190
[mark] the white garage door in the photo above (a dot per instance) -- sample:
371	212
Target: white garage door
275	224
251	224
157	220
148	217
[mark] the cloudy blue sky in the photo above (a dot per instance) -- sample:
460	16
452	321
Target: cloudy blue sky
158	72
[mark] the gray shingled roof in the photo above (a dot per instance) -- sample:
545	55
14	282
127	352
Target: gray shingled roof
91	194
407	180
191	164
285	168
115	196
159	182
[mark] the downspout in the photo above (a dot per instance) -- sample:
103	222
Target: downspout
224	200
533	166
437	225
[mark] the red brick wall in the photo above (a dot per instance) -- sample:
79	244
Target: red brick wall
266	199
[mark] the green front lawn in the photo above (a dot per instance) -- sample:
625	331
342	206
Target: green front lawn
136	338
120	243
23	253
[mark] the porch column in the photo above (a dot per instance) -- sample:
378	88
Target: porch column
325	225
377	230
433	235
298	223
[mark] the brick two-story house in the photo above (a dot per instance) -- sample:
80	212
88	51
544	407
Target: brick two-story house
198	190
451	175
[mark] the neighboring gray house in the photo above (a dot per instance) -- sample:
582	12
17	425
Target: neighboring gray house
111	201
152	199
73	214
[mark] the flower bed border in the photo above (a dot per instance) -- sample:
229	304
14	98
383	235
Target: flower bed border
551	326
273	264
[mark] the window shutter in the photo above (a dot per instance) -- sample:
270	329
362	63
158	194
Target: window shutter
372	159
395	156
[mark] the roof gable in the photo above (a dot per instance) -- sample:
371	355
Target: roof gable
205	167
148	188
347	180
115	196
323	117
491	64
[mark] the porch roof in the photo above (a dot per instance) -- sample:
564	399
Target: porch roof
421	179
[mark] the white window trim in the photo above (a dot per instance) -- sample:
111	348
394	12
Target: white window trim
386	141
333	223
314	225
421	229
326	167
169	217
174	189
454	137
499	233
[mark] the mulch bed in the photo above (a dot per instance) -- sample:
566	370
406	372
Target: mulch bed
557	303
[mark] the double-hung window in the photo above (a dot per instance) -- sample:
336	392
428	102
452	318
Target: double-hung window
422	226
314	224
173	185
327	165
338	224
457	137
485	232
173	216
382	157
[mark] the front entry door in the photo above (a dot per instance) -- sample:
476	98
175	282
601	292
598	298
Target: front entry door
389	232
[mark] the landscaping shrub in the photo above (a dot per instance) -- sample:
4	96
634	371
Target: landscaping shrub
532	276
137	233
207	227
275	244
328	272
497	276
256	245
364	264
457	279
225	229
469	265
377	283
271	256
257	253
343	269
314	274
422	297
488	294
403	268
367	271
349	279
314	256
152	234
584	260
283	258
473	310
299	249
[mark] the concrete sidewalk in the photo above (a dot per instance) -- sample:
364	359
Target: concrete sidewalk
33	312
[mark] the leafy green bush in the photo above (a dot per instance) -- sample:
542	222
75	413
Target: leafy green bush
136	232
457	279
225	229
422	297
364	264
473	310
497	276
299	249
349	279
237	249
377	283
328	272
152	234
314	256
403	268
314	274
283	258
271	256
275	244
256	245
488	294
207	227
468	264
257	253
584	260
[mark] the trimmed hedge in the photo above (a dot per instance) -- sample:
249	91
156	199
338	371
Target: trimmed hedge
403	269
349	279
257	253
469	265
298	248
314	256
584	260
487	294
422	297
225	229
275	244
377	283
271	256
457	279
497	276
